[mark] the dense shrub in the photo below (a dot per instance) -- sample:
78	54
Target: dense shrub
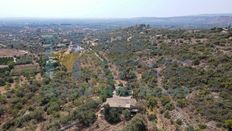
6	60
123	91
182	103
126	114
152	117
112	115
151	102
189	128
136	124
86	113
202	126
179	122
24	60
86	117
2	82
106	93
36	115
167	115
228	123
2	110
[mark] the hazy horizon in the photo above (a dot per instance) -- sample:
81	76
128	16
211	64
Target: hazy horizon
114	18
99	9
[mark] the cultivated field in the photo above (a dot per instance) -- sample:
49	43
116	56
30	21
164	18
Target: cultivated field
12	52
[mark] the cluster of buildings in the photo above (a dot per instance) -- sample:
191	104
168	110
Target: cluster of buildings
90	41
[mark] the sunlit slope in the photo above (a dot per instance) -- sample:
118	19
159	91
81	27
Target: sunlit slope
67	60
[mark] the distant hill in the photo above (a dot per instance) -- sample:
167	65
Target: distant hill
200	21
197	21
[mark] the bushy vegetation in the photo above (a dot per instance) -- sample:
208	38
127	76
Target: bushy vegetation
192	62
165	70
112	115
6	60
86	113
24	60
136	124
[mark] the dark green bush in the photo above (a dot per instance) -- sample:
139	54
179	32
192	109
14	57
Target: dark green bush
136	124
112	115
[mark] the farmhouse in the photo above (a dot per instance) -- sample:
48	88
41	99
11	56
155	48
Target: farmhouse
122	102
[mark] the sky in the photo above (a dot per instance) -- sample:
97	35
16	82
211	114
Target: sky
111	8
